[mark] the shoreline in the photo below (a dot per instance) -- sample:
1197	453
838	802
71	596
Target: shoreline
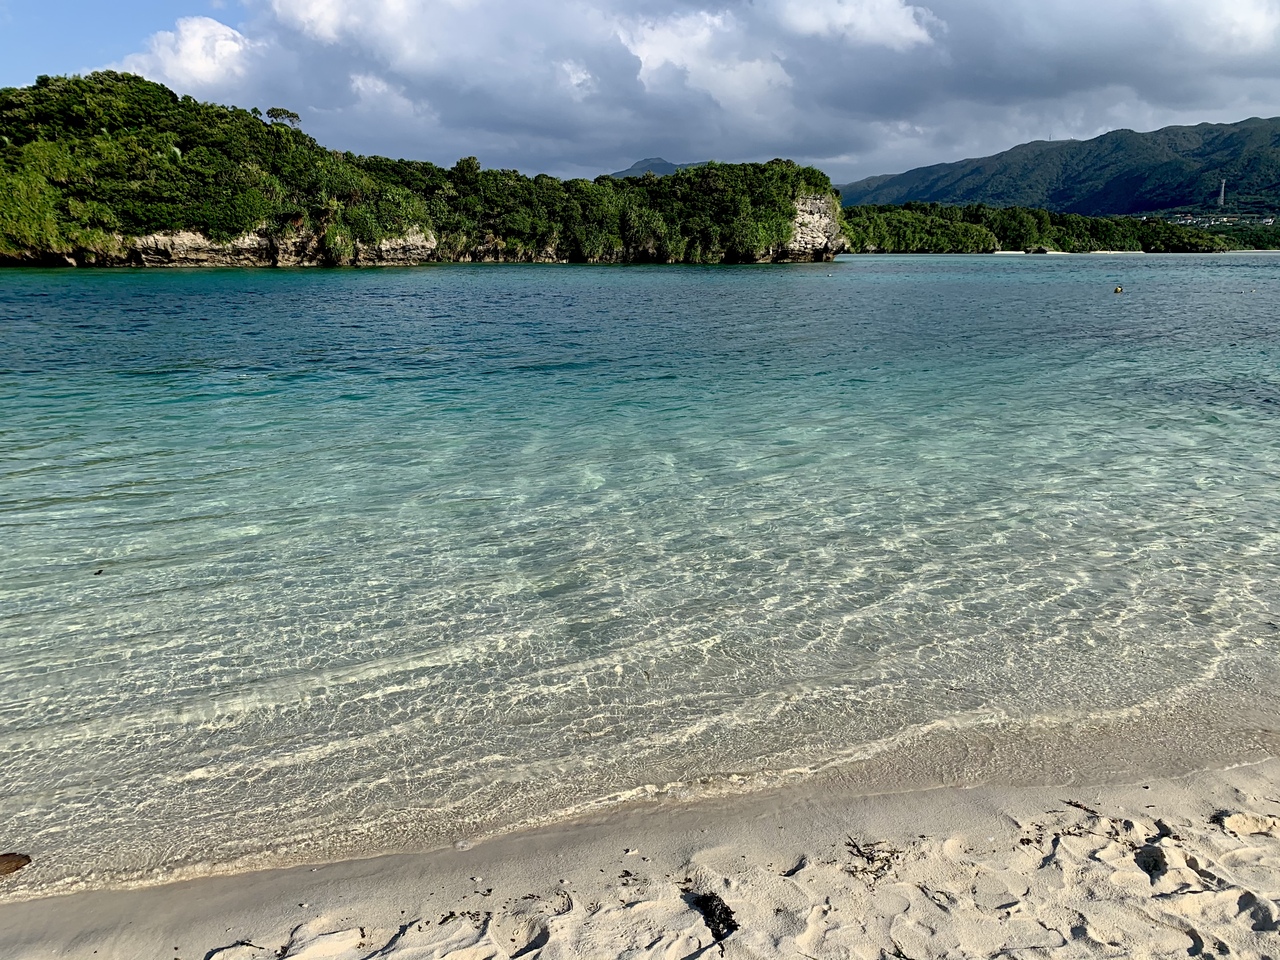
1168	737
255	261
59	265
1148	868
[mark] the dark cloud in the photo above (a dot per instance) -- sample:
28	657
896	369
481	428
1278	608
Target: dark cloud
855	86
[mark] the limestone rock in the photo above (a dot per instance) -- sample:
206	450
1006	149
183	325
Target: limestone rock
299	250
185	248
413	248
816	233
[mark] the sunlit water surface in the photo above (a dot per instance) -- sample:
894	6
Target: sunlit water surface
301	565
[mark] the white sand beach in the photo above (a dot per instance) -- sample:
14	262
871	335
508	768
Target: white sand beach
1157	868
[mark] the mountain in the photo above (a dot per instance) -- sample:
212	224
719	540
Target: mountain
1121	172
655	165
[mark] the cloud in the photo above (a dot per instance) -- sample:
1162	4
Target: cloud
325	20
201	52
575	87
578	79
374	92
705	52
889	22
1233	29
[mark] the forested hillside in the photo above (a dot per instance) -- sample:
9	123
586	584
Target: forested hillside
938	228
1121	172
88	162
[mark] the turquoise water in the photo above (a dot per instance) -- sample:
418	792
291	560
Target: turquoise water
300	565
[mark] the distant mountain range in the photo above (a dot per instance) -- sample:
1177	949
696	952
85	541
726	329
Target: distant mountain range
1121	172
654	165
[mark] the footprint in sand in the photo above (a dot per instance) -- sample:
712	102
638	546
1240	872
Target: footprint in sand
527	929
318	941
242	950
520	935
1248	824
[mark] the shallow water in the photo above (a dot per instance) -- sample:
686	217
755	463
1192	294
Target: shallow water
300	565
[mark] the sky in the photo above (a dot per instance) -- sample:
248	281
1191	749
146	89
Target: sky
582	87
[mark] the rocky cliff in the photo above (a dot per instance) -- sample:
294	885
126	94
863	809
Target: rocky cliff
816	233
816	236
186	249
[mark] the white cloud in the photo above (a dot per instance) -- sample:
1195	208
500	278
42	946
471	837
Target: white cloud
707	52
890	23
1249	26
201	52
373	91
408	34
577	79
324	20
683	41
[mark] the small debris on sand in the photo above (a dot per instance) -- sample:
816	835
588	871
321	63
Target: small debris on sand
715	912
12	862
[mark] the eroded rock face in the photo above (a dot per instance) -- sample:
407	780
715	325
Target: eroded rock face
186	248
816	230
300	250
815	234
413	248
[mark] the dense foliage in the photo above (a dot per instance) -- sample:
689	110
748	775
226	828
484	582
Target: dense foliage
87	161
937	228
1121	172
1250	236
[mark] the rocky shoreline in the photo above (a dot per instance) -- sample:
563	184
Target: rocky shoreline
816	237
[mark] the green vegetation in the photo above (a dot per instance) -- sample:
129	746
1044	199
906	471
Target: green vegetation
1118	173
88	162
1249	236
937	228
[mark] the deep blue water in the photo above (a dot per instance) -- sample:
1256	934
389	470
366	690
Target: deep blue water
396	558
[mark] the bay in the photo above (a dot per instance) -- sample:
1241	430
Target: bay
306	565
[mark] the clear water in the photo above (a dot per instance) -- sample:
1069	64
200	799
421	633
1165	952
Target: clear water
396	558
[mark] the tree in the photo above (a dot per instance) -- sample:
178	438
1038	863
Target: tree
281	115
